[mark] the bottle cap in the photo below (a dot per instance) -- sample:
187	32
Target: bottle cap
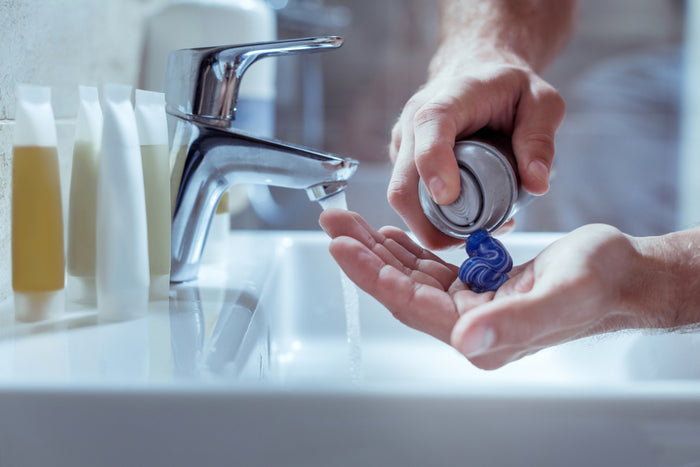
38	306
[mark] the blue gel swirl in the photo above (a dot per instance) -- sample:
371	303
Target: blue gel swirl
488	263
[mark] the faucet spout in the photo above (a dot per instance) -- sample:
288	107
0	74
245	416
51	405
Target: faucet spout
217	159
324	190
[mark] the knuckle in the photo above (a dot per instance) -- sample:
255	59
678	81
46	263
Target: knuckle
550	97
414	103
517	73
422	156
434	122
397	193
506	76
433	112
540	137
541	141
556	102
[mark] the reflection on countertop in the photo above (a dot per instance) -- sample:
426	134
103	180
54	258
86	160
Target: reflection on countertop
195	335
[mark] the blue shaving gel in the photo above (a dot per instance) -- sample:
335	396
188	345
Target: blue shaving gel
488	263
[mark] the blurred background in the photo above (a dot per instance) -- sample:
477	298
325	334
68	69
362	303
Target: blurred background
620	151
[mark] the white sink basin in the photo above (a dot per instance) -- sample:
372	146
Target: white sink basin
251	365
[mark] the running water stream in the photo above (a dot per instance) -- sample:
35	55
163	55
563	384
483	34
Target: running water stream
351	299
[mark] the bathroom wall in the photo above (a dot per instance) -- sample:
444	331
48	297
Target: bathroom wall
61	43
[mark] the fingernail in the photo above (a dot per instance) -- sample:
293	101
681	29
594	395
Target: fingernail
540	171
478	341
437	188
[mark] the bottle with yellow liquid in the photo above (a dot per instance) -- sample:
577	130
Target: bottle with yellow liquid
38	259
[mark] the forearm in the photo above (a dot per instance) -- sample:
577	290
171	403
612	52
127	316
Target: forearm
533	32
669	279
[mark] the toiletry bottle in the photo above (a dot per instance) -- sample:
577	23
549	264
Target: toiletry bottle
122	238
153	138
38	260
83	198
490	187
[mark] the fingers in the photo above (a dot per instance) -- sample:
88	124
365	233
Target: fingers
417	305
422	146
402	194
411	287
407	242
435	132
426	269
414	257
540	112
339	223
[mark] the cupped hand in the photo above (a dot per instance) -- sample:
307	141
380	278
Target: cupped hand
576	287
461	98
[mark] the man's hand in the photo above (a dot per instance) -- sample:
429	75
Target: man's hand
509	99
592	281
483	75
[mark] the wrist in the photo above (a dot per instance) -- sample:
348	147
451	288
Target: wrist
669	275
528	33
457	56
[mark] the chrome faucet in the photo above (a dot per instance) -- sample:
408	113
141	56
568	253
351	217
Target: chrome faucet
201	91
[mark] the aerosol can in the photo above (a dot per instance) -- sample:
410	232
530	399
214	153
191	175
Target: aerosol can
490	187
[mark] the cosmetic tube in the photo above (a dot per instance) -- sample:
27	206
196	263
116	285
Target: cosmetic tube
38	259
82	209
153	137
122	270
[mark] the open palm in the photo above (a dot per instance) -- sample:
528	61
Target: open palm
570	290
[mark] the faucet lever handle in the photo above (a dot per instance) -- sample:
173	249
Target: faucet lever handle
204	82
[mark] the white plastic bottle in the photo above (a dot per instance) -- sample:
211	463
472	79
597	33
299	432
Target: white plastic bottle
153	137
122	238
82	210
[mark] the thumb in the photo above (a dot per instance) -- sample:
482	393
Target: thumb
504	330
